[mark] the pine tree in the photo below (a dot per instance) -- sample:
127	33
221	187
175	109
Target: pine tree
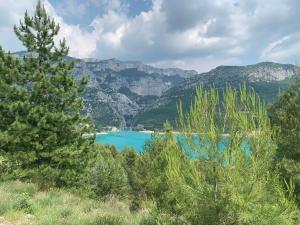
13	101
45	133
232	179
285	118
151	169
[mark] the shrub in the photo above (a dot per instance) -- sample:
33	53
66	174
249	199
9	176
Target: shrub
15	196
285	119
151	169
106	174
6	169
235	184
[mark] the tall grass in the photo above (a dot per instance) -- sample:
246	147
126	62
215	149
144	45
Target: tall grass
23	203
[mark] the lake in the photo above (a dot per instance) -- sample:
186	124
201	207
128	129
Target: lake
123	139
135	139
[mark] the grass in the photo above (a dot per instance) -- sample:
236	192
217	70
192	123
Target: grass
23	204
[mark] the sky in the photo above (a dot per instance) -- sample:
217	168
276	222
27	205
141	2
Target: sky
189	34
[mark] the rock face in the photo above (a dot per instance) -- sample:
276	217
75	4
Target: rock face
127	93
119	90
265	78
269	72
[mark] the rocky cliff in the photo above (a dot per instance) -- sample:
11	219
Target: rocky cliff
119	90
265	78
127	93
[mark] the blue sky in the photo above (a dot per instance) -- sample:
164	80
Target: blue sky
83	12
193	34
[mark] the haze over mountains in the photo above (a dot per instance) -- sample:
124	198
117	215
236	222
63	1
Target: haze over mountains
127	93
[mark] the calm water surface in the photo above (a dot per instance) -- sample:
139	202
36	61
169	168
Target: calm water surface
123	139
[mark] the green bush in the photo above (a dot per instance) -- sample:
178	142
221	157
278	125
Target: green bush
15	196
285	119
151	169
23	203
239	184
6	168
106	174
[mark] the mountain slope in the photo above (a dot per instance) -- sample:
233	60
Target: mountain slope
127	93
118	90
265	78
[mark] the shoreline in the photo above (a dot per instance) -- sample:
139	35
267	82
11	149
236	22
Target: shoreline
141	131
144	131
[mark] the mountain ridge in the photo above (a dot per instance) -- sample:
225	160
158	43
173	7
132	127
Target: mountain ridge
127	93
266	78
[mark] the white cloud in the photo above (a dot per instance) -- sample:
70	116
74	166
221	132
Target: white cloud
198	35
82	43
285	50
268	51
10	14
72	7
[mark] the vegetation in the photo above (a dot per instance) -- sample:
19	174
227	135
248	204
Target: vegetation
223	168
23	203
106	174
285	118
235	181
154	117
42	127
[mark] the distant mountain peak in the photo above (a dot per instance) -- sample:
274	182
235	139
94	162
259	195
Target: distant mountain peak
263	71
124	93
266	78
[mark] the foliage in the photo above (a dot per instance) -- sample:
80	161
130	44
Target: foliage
109	220
222	169
156	218
237	184
150	181
42	128
154	117
106	174
22	203
285	118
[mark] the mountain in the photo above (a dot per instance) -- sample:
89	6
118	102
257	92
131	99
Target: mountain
119	90
127	93
265	78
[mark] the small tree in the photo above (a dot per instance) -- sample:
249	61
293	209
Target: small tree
151	169
44	130
106	174
231	179
285	118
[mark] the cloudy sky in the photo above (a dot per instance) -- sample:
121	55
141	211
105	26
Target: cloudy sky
191	34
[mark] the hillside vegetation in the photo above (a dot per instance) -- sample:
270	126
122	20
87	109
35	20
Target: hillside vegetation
24	204
267	80
230	165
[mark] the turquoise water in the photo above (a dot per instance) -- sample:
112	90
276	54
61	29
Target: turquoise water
123	139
